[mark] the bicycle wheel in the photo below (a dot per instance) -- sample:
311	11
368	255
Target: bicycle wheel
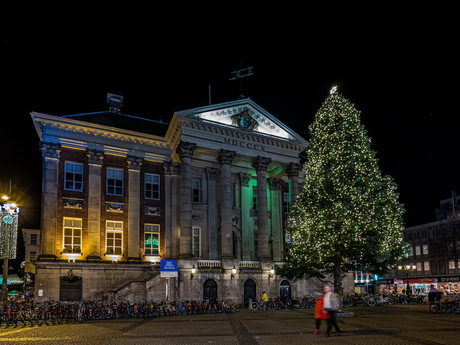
371	302
254	305
434	308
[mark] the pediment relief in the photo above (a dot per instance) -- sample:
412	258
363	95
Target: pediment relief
243	115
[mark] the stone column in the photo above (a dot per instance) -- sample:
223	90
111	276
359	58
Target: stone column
50	182
247	227
225	160
261	165
185	151
172	202
292	172
134	204
93	241
211	247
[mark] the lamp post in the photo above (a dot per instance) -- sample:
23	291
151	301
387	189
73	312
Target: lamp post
407	268
8	238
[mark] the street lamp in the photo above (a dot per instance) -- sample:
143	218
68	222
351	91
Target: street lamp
8	238
407	268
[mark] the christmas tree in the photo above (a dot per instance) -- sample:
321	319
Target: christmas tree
347	215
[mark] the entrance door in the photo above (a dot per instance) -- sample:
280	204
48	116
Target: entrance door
210	290
285	290
249	291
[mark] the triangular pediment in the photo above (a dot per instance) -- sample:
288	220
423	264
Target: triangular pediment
244	115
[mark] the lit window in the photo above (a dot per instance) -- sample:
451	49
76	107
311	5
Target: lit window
426	266
114	238
73	176
425	249
114	181
196	241
417	250
152	186
72	235
151	239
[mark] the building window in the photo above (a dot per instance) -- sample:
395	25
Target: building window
419	267
426	267
425	249
196	241
114	181
73	176
196	191
417	250
286	203
254	198
452	264
151	239
114	238
410	251
152	186
33	239
32	255
72	235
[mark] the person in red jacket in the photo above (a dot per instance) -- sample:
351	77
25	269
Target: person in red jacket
320	314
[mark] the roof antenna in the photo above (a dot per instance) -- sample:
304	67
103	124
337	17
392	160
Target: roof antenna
115	102
240	74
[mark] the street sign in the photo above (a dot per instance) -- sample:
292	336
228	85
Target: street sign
168	269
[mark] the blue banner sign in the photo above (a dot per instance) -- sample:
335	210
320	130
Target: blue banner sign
168	268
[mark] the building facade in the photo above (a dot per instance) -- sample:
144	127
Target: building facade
211	189
433	259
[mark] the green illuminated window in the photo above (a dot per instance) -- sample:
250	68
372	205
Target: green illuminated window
151	239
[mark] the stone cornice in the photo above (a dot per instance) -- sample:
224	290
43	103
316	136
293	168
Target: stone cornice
49	125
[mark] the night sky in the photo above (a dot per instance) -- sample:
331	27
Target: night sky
404	81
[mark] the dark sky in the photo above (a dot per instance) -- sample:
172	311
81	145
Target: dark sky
400	72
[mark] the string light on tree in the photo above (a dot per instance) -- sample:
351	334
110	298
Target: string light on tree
348	213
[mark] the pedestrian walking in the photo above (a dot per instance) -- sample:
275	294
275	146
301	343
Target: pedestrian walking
331	306
265	299
320	313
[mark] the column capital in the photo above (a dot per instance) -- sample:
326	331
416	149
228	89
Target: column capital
134	163
244	179
293	169
276	184
185	150
261	163
225	157
95	157
50	150
171	168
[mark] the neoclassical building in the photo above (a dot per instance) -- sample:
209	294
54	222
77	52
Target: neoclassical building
122	194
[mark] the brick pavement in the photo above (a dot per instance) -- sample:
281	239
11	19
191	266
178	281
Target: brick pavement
409	325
